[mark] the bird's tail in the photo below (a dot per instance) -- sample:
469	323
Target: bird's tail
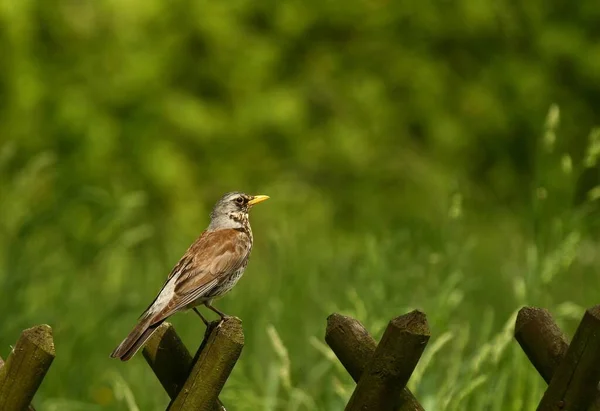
136	338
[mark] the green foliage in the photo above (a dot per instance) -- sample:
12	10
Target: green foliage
432	155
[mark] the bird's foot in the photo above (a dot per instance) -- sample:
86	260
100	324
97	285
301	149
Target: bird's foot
224	317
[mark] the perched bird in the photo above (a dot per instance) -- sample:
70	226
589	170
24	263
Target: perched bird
210	268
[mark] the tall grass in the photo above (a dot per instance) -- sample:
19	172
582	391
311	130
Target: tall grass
90	273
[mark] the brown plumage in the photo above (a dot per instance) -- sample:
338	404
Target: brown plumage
211	266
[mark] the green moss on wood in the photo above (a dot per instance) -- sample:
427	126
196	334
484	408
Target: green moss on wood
381	384
214	362
25	368
170	360
354	347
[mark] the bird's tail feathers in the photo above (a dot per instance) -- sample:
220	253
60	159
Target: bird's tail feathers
136	338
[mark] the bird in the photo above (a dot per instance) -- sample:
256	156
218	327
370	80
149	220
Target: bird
210	268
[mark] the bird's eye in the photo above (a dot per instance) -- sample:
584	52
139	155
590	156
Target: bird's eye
239	200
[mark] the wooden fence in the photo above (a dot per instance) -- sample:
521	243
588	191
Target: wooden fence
572	371
195	383
25	368
381	371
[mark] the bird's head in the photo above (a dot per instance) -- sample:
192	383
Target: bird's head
231	211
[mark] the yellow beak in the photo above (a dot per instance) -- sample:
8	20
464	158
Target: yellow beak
257	199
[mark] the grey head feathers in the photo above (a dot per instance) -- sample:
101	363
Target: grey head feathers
231	211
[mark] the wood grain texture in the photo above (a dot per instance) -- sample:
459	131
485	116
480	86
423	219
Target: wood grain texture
354	347
213	364
25	368
542	341
381	385
170	360
574	385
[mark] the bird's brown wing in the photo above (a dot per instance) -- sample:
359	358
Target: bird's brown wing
212	256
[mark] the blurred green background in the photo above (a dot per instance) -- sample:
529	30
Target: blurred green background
438	155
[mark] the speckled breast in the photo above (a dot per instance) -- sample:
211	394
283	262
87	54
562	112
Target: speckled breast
227	284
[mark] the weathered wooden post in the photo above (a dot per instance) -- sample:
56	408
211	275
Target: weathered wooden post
546	346
574	384
25	368
381	384
354	347
169	358
214	362
31	407
542	341
171	361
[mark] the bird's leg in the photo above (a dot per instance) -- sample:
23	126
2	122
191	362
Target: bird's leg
201	316
221	314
